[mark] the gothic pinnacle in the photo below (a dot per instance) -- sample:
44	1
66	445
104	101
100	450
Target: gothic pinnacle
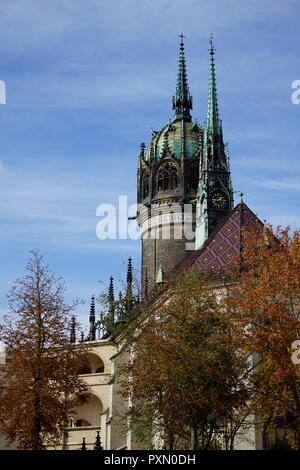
111	299
111	295
73	330
182	101
129	271
129	297
92	335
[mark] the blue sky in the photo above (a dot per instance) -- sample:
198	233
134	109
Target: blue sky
86	81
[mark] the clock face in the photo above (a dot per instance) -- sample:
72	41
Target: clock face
218	200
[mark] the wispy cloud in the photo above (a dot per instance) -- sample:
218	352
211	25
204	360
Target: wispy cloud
281	185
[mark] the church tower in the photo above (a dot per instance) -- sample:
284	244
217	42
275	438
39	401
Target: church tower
215	195
167	179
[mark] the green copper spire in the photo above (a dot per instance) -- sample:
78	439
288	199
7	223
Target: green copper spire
215	197
182	101
213	123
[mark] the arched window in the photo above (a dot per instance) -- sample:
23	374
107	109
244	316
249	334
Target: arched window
167	177
145	185
87	412
92	364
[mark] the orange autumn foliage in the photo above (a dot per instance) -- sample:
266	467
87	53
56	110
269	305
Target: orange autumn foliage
39	383
264	305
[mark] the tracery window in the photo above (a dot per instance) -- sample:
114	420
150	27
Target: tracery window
167	177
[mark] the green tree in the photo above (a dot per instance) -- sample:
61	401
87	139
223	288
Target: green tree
183	376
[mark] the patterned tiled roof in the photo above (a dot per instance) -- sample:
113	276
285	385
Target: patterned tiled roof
223	244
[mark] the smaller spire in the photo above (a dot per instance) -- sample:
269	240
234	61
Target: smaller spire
111	299
182	101
92	334
129	293
73	330
111	294
129	272
213	122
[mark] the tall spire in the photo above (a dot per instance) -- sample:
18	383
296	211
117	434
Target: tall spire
215	197
213	123
182	101
92	334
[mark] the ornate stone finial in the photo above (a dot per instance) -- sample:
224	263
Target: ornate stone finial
83	445
73	330
97	445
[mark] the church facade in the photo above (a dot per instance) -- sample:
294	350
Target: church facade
187	218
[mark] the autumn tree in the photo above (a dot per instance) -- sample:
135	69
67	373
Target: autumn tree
39	382
264	303
183	377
